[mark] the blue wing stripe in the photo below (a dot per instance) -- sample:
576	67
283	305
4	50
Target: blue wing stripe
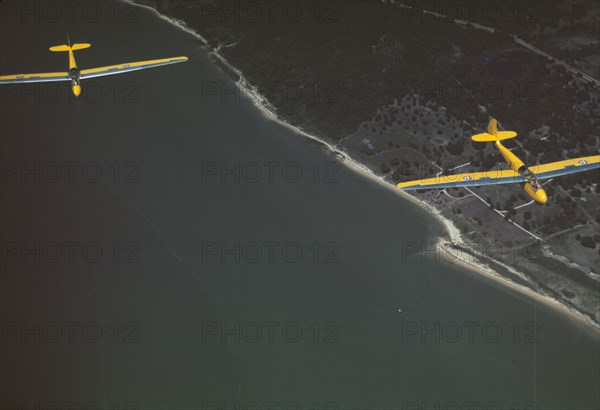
476	182
569	169
120	70
36	79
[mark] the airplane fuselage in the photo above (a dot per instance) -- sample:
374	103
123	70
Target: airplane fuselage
74	75
532	187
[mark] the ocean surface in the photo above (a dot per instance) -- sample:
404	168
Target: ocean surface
167	246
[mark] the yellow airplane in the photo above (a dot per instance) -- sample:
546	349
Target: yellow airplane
518	171
74	75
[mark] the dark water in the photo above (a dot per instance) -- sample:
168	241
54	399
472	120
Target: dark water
165	301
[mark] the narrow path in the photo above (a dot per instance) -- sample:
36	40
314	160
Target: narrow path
518	41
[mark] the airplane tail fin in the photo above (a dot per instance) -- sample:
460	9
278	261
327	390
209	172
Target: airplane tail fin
493	134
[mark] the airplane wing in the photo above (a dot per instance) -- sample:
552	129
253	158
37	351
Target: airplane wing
568	166
126	67
500	176
34	78
506	176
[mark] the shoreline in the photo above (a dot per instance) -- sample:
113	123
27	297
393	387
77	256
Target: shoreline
453	235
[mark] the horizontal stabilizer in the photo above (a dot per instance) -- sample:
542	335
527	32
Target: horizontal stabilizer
60	48
74	47
500	135
493	134
80	46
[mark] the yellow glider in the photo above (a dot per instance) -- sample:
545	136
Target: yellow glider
74	75
518	171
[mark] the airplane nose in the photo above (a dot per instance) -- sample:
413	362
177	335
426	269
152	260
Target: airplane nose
76	90
541	197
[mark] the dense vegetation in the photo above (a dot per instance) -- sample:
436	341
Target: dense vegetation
357	56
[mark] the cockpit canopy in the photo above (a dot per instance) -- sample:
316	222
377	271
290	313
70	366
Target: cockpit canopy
531	179
74	74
